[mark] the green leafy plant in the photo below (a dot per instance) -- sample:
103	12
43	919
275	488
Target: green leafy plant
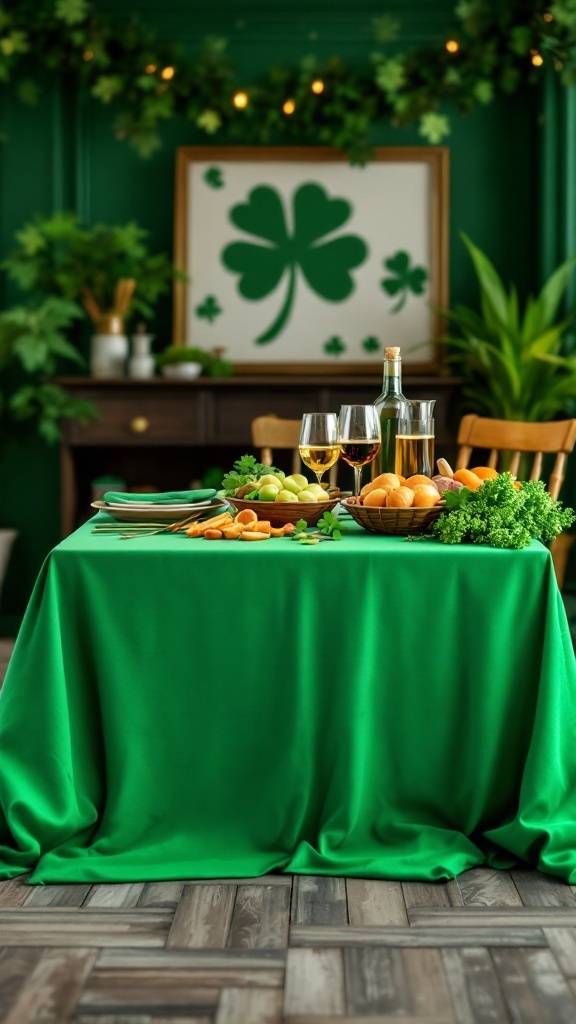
326	267
511	359
32	344
212	365
501	515
57	255
245	469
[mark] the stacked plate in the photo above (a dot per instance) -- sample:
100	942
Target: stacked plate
147	511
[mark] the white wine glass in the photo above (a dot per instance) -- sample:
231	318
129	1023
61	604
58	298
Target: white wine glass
318	445
360	438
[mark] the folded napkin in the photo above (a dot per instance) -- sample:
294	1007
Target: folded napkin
164	498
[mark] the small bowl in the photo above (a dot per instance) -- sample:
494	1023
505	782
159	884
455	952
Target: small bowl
182	371
280	512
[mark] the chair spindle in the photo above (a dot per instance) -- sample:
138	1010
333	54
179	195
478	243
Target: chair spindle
514	463
557	475
493	460
536	467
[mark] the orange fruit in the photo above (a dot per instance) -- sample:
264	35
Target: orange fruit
425	496
377	497
400	497
386	480
468	479
485	472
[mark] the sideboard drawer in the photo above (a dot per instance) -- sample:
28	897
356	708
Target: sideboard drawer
143	420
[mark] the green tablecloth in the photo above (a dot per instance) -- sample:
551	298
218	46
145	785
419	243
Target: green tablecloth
178	708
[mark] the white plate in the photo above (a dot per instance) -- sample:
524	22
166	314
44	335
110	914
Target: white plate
158	513
134	505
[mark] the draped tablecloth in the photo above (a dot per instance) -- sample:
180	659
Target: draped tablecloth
177	708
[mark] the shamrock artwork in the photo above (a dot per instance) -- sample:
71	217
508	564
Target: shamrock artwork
309	262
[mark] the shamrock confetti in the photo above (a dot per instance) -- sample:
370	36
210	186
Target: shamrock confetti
434	127
371	345
209	309
334	347
214	177
210	121
405	279
71	11
326	267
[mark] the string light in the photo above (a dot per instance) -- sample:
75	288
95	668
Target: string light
150	69
537	60
240	100
289	107
317	86
547	16
87	55
167	74
452	46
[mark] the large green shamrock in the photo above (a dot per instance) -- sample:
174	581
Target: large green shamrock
406	278
326	267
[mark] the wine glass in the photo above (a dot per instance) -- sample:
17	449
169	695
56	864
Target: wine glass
318	445
360	437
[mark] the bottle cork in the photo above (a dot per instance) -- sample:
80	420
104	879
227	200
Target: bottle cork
392	353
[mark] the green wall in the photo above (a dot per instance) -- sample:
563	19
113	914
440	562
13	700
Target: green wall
63	154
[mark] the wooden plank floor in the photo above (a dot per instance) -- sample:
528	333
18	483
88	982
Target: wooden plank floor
491	947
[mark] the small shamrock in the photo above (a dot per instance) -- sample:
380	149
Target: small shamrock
334	347
209	309
390	76
16	42
210	121
107	87
484	91
434	127
405	279
326	267
71	11
371	345
214	177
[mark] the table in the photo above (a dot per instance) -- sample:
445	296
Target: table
177	708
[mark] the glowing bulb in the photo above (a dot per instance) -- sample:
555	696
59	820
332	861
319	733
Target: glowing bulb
167	74
87	55
317	86
548	17
537	60
289	107
240	100
150	69
452	46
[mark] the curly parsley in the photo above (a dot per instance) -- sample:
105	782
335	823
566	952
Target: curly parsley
245	469
501	515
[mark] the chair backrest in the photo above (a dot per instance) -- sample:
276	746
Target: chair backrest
511	436
269	432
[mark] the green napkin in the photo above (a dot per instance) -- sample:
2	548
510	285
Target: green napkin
164	498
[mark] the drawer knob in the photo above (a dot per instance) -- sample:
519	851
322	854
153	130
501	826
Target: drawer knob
139	425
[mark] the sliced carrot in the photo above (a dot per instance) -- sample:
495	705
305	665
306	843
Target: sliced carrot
216	523
213	534
253	535
247	515
262	526
233	532
288	528
276	531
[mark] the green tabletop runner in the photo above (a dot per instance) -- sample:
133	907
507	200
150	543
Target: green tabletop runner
177	708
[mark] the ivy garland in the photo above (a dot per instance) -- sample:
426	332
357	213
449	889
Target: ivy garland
496	47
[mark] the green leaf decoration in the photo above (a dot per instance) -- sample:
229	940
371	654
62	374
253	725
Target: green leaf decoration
210	121
15	42
209	310
214	177
72	11
107	87
28	92
371	345
405	279
484	91
385	29
434	127
326	267
334	347
391	76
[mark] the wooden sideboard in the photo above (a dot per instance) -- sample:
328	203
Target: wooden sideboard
166	433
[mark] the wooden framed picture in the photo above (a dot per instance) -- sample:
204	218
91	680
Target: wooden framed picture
300	263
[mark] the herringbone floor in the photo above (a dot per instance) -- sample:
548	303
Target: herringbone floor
489	948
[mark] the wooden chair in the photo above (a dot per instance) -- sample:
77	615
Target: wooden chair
270	432
538	439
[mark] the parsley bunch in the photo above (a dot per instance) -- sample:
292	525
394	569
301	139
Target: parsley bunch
245	469
501	515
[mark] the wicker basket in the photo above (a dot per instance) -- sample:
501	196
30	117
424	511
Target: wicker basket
277	513
393	520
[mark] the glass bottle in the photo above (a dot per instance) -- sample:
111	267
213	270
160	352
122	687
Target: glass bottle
392	406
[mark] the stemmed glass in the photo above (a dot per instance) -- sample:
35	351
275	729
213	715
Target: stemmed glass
360	437
318	445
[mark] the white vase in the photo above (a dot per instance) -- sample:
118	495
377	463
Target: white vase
141	364
108	355
7	538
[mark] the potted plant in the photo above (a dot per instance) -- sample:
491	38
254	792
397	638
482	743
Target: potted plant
188	361
32	345
108	269
511	359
